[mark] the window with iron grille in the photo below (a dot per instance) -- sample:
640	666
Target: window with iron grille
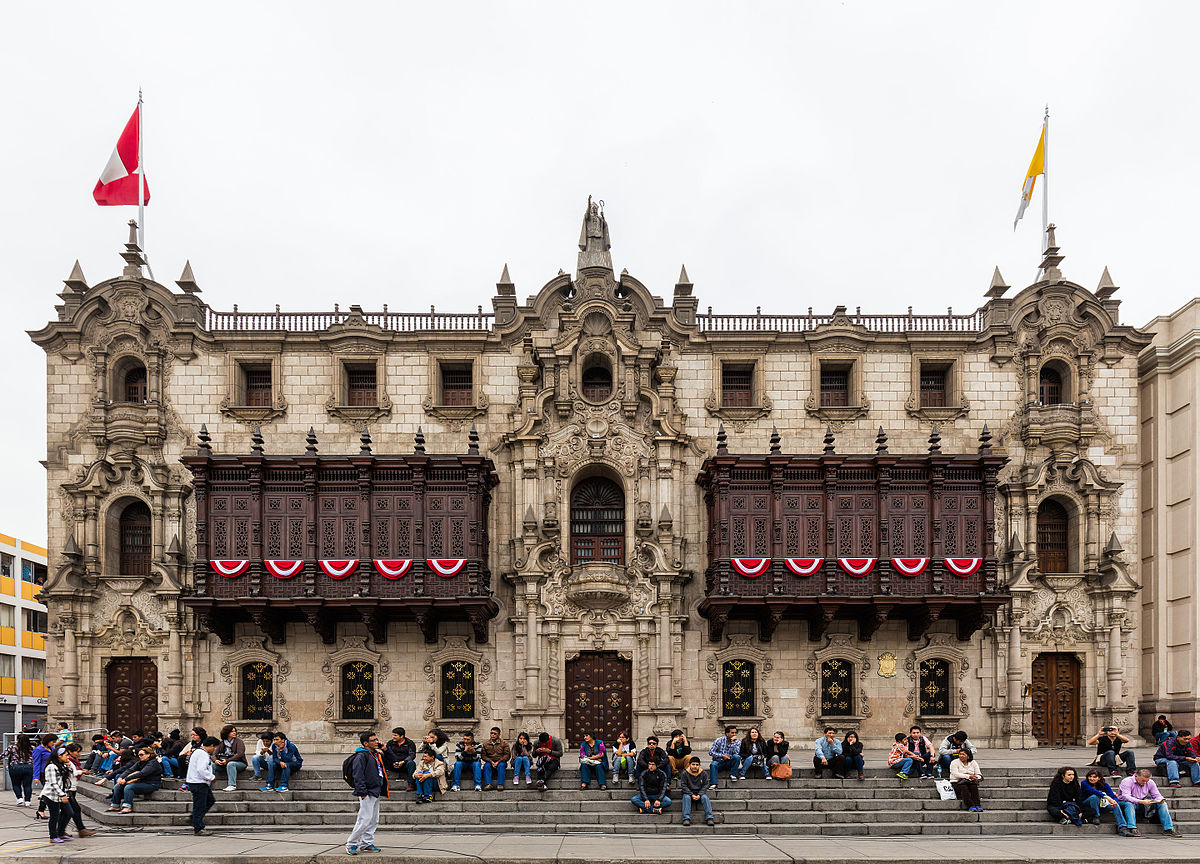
135	384
258	691
1050	386
737	688
597	382
458	386
837	688
598	522
933	386
737	385
458	690
134	539
360	385
358	690
934	683
835	386
258	386
1052	550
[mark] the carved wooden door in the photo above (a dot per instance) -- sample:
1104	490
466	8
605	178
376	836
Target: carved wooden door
1056	699
599	696
133	694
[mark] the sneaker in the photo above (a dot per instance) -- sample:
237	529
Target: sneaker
499	788
1174	784
1093	821
902	775
370	847
183	787
528	780
58	840
477	788
687	821
712	787
487	788
1115	773
266	789
1123	832
67	838
1171	832
1064	821
203	832
733	778
453	788
1135	832
229	789
351	850
709	822
285	789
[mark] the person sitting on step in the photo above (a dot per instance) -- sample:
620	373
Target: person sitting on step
1108	743
653	751
624	759
467	752
522	759
285	758
924	756
231	755
171	747
96	757
142	778
1161	729
652	785
964	777
400	756
726	753
592	760
429	771
679	751
1139	796
901	757
753	753
547	757
262	754
1098	796
1177	754
852	753
777	749
827	753
494	754
439	742
1064	800
691	791
948	750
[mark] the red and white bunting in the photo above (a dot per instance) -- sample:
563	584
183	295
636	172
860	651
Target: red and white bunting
281	569
338	569
910	566
446	567
750	567
803	566
392	568
230	568
963	566
857	566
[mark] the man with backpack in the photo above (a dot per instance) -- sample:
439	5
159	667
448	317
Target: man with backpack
364	771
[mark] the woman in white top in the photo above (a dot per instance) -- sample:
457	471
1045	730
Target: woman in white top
964	777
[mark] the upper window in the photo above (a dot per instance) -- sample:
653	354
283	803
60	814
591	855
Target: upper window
837	688
36	622
135	384
458	385
737	688
835	385
358	690
597	383
1054	383
360	385
737	385
934	684
7	615
458	690
135	540
598	522
1052	547
934	385
258	691
256	385
6	564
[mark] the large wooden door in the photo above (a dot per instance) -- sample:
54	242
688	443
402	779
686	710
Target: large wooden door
599	696
133	694
1056	699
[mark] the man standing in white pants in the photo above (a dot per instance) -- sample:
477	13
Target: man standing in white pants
370	784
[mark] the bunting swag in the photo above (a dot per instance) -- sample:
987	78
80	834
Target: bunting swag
446	567
230	568
910	566
283	569
963	566
392	568
338	569
750	567
803	566
858	567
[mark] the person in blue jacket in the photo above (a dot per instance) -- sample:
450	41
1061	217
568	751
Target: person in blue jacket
284	758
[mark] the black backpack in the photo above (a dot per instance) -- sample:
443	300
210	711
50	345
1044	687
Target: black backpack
348	769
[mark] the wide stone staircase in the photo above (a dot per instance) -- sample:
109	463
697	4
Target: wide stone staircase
880	806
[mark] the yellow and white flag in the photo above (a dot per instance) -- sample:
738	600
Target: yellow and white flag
1036	167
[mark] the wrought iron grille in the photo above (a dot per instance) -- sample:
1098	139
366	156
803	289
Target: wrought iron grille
358	690
598	522
934	682
837	688
737	688
458	690
258	691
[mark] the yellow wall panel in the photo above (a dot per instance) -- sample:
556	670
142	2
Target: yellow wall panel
8	636
8	686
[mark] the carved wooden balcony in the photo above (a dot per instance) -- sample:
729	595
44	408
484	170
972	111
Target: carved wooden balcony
851	537
318	539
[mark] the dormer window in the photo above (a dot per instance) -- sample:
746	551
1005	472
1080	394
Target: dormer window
135	384
597	379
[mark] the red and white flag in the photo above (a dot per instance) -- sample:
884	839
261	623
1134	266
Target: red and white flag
118	183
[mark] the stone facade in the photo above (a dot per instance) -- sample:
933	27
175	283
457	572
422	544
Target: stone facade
534	401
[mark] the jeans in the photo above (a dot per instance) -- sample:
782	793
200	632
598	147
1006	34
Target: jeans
494	776
519	764
1109	760
904	766
123	793
425	787
686	801
202	800
60	817
76	812
366	823
731	765
259	764
1172	769
405	772
748	762
285	769
623	765
458	770
967	791
546	768
644	805
170	766
586	771
21	775
231	771
944	761
854	763
1092	805
1130	811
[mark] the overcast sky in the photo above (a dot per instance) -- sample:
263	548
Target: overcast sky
791	154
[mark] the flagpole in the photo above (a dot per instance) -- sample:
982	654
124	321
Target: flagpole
1045	178
142	188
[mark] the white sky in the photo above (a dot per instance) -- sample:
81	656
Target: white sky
792	154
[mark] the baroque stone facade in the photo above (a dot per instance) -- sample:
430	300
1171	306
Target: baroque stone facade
594	384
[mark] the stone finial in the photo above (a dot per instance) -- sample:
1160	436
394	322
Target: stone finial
775	448
505	287
594	241
76	282
664	515
998	286
985	441
134	260
186	280
684	286
133	234
722	439
175	548
530	520
1107	287
364	442
828	451
881	442
310	443
1015	547
473	442
1113	546
71	550
203	439
419	442
1051	259
256	441
935	441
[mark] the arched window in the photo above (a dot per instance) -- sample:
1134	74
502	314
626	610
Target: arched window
258	691
934	688
1053	379
1052	533
135	384
597	379
837	688
358	690
598	522
135	540
737	688
458	690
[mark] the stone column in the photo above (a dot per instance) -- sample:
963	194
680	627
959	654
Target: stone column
174	671
1015	672
665	666
70	690
532	667
1115	664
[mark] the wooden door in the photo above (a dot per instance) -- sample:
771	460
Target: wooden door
133	694
1056	699
599	696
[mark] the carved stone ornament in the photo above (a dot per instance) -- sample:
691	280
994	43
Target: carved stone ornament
359	416
939	646
355	648
887	665
253	649
457	648
738	418
740	647
842	647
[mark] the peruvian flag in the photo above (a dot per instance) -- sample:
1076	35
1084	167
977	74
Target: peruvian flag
392	568
118	183
446	567
804	566
750	567
338	569
910	566
857	567
232	568
963	566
